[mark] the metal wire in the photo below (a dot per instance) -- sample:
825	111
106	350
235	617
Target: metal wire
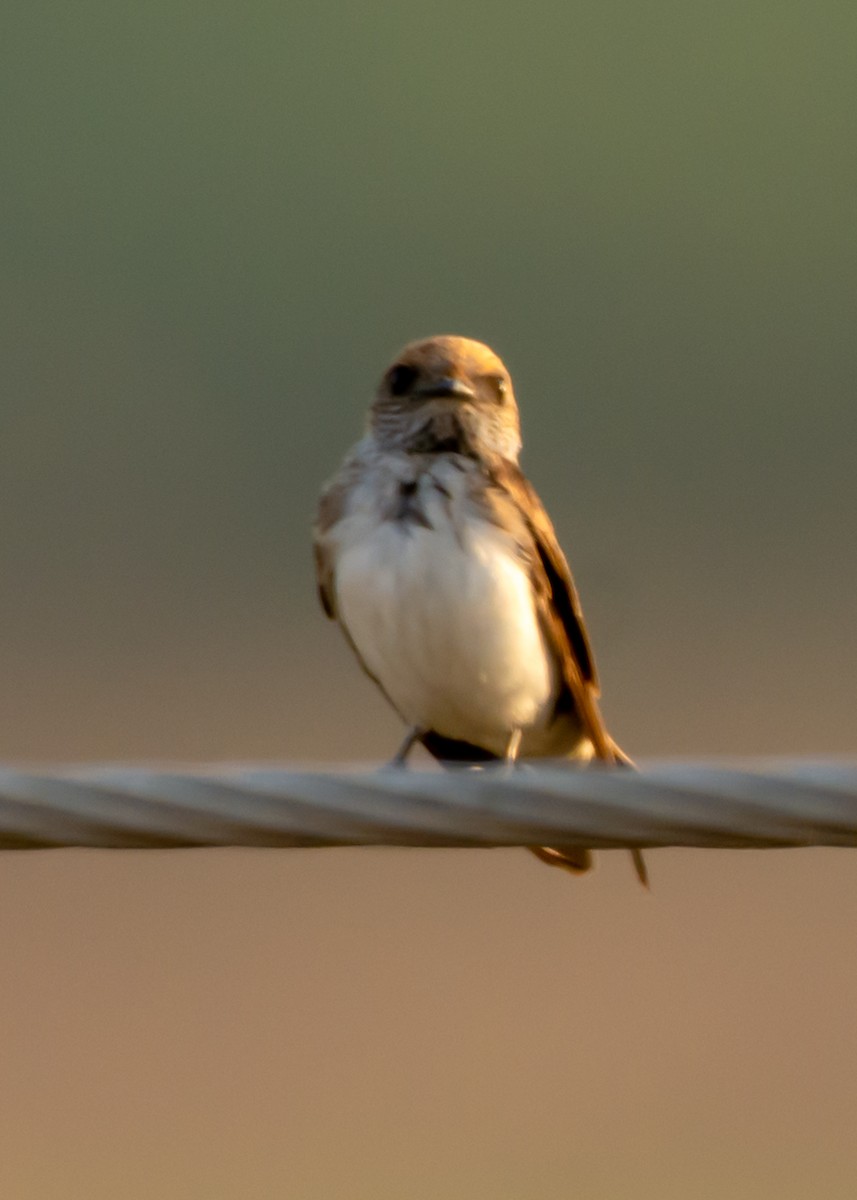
770	803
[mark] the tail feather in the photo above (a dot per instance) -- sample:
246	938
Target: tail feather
640	867
578	859
452	753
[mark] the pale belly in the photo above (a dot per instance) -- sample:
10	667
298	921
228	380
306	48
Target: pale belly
447	626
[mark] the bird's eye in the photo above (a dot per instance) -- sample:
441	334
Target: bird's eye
499	387
401	378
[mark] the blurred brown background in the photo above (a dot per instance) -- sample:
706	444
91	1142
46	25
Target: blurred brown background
219	222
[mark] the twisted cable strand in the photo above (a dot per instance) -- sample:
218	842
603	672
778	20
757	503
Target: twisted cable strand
751	804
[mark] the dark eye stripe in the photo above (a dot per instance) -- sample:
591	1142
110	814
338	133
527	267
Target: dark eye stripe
401	378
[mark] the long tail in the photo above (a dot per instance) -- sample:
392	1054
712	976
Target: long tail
623	760
578	859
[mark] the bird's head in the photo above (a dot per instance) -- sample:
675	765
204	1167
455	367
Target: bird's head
447	394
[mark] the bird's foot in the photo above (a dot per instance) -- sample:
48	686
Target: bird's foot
511	761
513	748
400	759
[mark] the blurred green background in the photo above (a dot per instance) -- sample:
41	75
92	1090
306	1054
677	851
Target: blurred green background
219	223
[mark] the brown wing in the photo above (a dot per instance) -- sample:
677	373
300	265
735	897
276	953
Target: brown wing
562	621
558	603
324	578
331	507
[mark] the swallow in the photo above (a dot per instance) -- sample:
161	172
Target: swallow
437	558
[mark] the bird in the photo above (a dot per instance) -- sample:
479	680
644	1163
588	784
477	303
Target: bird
438	560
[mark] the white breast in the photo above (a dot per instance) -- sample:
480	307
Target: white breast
443	617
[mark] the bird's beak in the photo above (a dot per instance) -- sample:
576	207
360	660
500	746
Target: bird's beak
446	388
